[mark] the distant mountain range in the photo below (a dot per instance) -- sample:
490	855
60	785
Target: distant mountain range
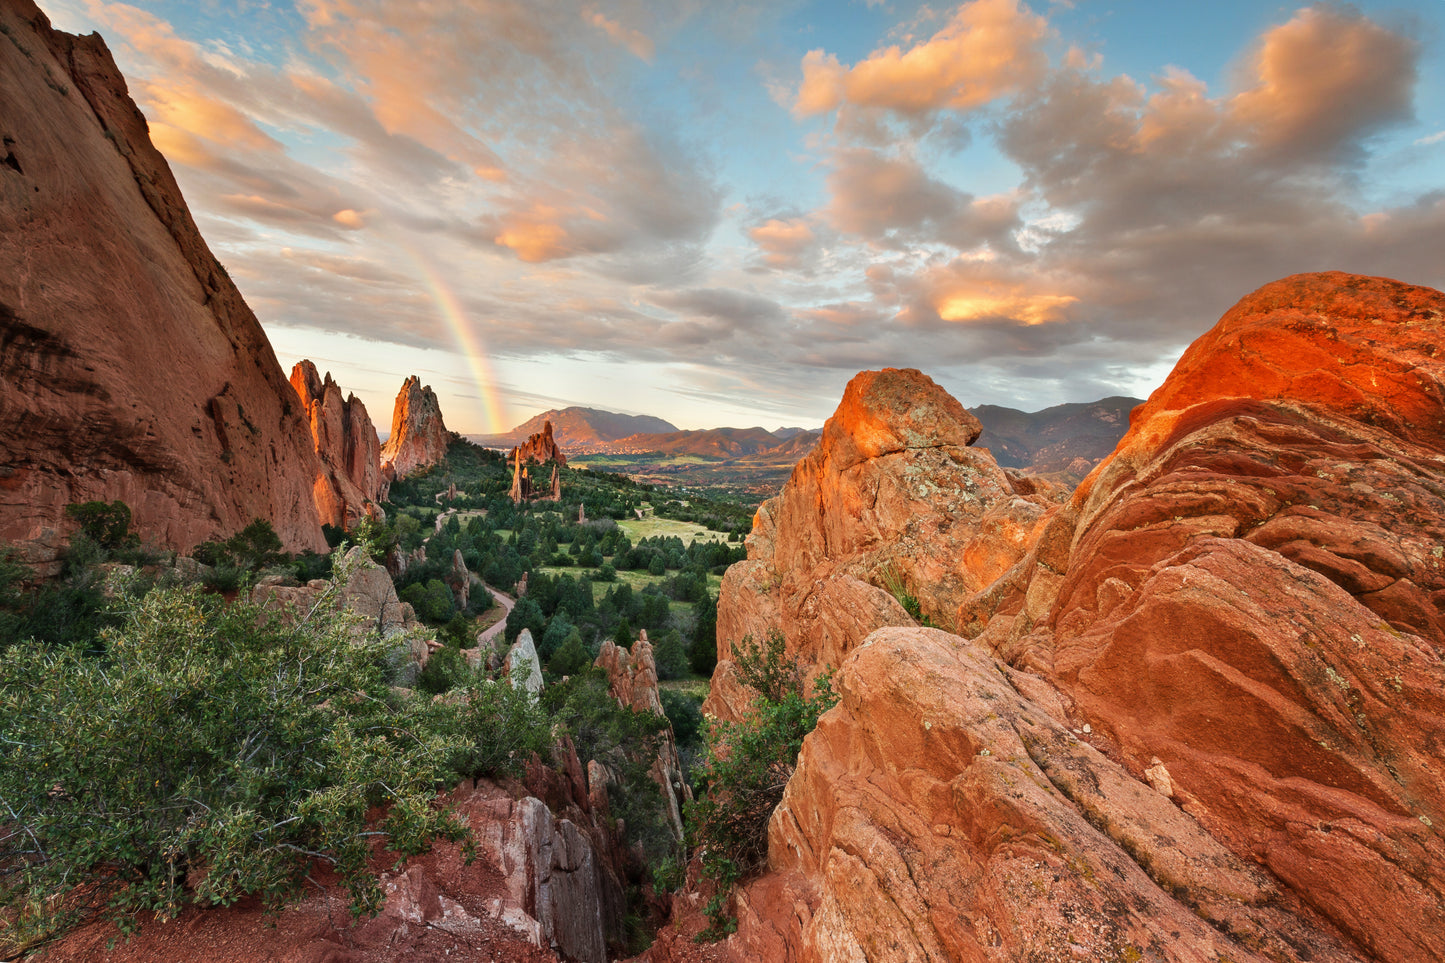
576	427
1053	439
1064	438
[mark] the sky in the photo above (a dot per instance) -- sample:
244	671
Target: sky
719	211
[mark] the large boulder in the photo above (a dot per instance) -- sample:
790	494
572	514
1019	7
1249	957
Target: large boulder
939	814
1255	598
363	590
130	366
1226	742
892	502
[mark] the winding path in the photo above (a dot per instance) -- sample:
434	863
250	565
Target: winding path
489	634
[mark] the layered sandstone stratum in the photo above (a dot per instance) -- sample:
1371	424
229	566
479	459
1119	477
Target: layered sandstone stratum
130	366
418	437
1195	713
350	484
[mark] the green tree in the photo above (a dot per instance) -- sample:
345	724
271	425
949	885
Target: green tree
256	546
212	746
105	524
748	765
702	653
571	657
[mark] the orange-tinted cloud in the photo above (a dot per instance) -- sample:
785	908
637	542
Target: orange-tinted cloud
784	243
990	48
637	42
1323	78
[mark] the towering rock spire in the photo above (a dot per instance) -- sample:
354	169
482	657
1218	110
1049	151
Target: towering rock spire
419	437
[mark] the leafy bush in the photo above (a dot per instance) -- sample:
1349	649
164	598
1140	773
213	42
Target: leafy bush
626	742
108	526
492	727
209	744
749	764
445	670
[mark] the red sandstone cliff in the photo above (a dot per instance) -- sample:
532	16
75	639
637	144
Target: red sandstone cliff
130	366
418	435
1219	734
350	483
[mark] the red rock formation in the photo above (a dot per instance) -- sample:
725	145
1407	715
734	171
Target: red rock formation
1255	600
130	366
350	484
539	449
891	498
418	435
1230	747
632	680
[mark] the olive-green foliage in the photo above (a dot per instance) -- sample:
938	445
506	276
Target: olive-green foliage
211	741
571	657
108	526
626	742
748	765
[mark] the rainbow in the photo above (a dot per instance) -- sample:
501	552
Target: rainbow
467	341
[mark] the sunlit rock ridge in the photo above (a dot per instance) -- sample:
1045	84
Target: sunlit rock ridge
1191	713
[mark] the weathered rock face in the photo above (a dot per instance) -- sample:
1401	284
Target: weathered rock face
130	366
1255	598
350	484
632	680
365	590
1230	745
891	498
539	449
554	881
418	435
523	666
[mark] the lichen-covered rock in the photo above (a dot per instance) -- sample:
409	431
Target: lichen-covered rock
891	502
130	366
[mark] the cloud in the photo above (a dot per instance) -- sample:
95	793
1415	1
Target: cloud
990	48
891	200
1321	81
784	243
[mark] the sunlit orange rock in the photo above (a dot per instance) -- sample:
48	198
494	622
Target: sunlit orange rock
130	366
892	499
418	437
1199	718
350	485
